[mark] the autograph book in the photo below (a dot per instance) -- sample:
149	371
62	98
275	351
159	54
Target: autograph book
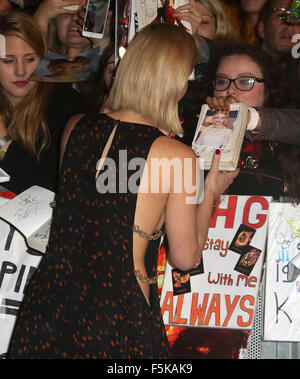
220	130
30	213
4	177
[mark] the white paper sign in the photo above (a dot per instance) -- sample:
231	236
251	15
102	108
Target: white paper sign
30	213
224	294
18	262
282	297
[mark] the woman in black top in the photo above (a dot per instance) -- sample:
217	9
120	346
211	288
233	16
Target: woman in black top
249	75
32	115
95	293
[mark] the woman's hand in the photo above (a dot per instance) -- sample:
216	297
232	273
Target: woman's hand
221	103
50	9
217	182
189	12
103	42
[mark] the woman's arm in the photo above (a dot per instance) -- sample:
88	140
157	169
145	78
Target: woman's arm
281	125
187	224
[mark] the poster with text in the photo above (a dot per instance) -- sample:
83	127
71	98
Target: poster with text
221	291
282	293
18	263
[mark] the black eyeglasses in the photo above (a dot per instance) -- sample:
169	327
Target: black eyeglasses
242	83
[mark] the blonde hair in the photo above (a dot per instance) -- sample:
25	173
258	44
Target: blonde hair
153	74
25	123
224	28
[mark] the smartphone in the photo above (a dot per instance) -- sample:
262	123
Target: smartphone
95	18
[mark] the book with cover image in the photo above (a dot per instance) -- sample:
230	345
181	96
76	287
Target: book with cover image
30	213
220	130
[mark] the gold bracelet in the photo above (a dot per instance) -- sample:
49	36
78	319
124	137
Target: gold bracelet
145	279
152	236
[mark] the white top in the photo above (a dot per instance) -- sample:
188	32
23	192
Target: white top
214	137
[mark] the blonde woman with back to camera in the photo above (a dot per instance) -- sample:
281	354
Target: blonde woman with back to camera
95	293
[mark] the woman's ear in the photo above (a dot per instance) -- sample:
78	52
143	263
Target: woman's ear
261	30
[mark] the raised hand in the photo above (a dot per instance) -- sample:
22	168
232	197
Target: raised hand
50	9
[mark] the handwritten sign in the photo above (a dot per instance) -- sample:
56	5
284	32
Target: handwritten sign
18	263
146	11
30	213
223	292
282	299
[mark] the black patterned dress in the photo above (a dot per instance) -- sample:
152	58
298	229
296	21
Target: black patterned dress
84	301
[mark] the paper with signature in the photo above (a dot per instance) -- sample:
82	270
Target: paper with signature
30	212
4	177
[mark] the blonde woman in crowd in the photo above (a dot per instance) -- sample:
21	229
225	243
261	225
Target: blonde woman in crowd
95	293
208	19
32	115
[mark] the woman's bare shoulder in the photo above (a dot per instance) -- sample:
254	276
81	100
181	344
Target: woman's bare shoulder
169	147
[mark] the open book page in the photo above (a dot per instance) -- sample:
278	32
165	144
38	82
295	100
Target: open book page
4	177
29	211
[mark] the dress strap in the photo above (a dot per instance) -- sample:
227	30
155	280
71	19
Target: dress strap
148	236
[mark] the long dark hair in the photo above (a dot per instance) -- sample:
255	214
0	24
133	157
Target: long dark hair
95	89
277	94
